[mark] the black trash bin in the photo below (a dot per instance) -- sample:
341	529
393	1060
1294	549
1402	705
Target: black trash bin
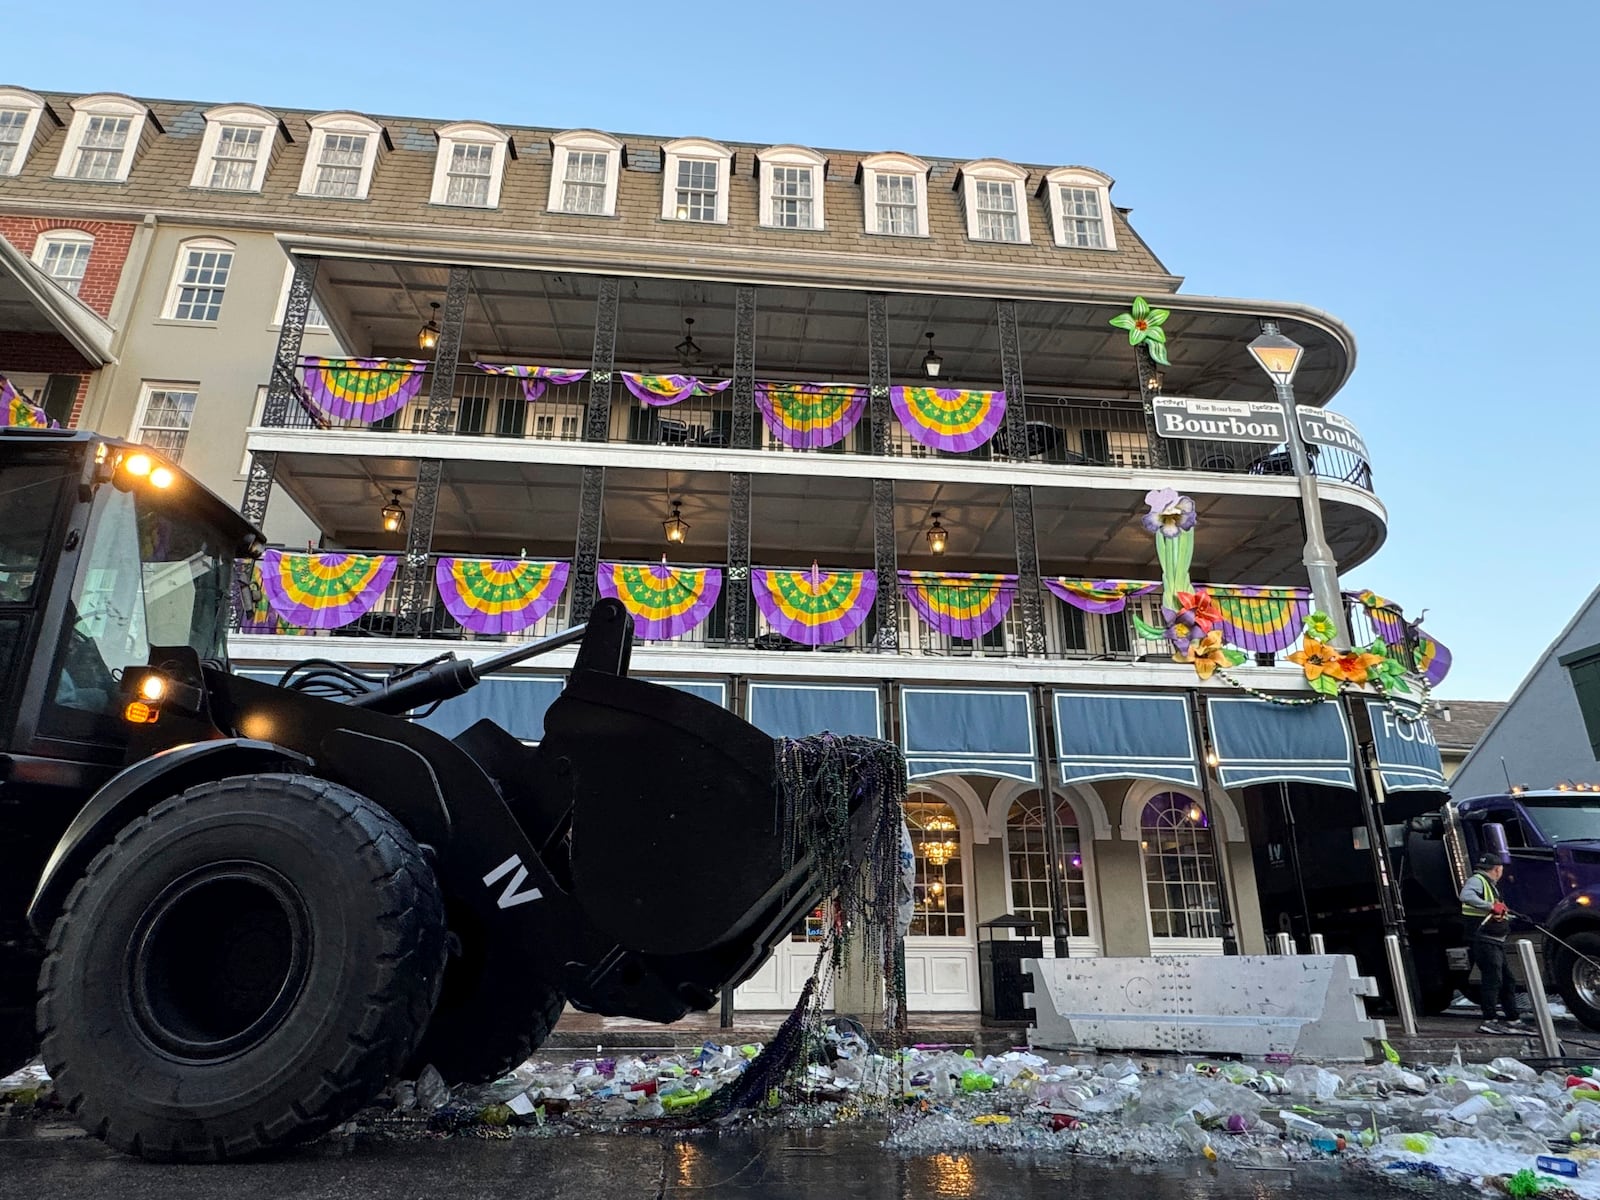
1001	979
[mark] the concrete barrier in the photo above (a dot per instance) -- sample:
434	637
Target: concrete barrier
1307	1006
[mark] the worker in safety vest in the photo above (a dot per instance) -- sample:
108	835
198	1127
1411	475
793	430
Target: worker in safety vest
1488	921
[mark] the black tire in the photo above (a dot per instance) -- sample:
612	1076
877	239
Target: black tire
243	968
1578	982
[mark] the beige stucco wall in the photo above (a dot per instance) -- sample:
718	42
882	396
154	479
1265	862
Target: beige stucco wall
226	360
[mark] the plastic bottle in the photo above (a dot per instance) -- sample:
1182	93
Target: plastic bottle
976	1081
1557	1166
1197	1139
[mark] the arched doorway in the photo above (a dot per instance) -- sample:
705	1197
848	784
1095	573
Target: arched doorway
1183	891
1028	879
941	948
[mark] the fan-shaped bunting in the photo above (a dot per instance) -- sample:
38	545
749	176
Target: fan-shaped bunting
661	390
1098	595
499	595
362	389
324	591
666	602
1262	620
809	416
814	607
949	419
958	604
17	410
1433	656
534	379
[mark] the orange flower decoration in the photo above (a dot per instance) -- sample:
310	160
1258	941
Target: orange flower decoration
1355	665
1318	659
1207	654
1200	606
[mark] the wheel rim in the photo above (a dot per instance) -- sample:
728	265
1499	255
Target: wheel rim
218	959
1586	982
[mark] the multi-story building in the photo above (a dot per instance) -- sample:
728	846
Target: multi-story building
724	356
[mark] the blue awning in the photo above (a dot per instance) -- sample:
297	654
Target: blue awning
1260	742
800	710
1408	757
979	732
714	690
1123	735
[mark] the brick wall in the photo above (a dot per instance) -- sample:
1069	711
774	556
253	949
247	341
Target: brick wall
104	272
45	354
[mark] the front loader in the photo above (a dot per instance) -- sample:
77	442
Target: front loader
252	905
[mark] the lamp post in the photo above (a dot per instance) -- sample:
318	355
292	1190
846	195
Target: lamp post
1279	357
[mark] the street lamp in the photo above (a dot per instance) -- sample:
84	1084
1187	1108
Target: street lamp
1280	357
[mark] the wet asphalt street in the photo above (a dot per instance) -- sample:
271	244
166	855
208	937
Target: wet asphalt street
51	1159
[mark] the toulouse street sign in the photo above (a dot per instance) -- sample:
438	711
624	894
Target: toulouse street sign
1218	420
1322	428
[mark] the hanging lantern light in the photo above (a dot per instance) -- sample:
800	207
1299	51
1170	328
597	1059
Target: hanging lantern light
428	335
394	517
938	537
932	364
688	349
677	529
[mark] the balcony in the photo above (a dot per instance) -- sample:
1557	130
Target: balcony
1061	431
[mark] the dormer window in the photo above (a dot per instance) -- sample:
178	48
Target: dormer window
791	187
104	138
584	168
341	156
470	166
1080	208
894	190
20	114
695	181
992	195
239	144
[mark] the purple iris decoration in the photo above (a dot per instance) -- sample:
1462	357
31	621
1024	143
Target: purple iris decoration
1170	514
1182	631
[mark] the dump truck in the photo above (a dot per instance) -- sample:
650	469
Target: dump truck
232	910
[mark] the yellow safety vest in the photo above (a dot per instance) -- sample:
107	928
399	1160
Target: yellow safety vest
1489	894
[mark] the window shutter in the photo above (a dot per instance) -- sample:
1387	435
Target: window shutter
60	394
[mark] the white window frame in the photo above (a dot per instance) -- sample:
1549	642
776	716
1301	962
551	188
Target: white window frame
147	389
62	237
321	326
470	133
1139	797
328	125
246	116
581	141
1081	945
85	109
892	164
994	170
34	109
792	156
690	150
180	265
1079	177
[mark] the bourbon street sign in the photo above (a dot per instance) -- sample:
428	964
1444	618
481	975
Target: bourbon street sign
1218	420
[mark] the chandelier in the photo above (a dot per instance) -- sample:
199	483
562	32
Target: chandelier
939	853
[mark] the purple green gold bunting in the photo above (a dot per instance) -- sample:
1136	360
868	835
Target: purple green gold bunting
948	419
1098	595
259	617
362	389
958	604
534	379
1433	656
324	591
1262	620
809	416
18	411
666	602
499	595
814	607
661	390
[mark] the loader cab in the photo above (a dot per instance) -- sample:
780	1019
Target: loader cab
105	552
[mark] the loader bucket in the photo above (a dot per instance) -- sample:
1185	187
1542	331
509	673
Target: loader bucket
677	825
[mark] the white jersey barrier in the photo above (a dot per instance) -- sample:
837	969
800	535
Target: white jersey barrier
1310	1007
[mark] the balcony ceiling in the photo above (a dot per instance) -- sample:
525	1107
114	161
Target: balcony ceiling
377	307
501	509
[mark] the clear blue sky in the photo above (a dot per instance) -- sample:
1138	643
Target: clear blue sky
1417	169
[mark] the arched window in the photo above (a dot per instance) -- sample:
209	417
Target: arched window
20	115
1180	868
1029	868
63	254
470	167
894	193
940	892
199	279
341	155
583	173
103	138
994	198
